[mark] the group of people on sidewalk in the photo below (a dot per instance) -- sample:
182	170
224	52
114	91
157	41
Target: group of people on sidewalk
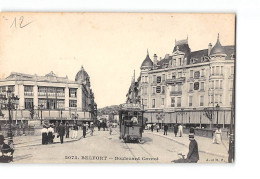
48	132
177	129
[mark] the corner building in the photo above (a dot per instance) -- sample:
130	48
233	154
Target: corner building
185	86
51	97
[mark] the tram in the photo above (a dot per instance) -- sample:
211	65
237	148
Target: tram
131	122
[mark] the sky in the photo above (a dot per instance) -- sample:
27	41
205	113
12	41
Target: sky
110	46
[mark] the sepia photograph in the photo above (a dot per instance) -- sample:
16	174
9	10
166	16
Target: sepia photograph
117	87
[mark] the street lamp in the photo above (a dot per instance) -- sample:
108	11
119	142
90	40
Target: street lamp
217	108
10	102
41	107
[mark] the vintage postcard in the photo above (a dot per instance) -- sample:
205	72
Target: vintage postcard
117	87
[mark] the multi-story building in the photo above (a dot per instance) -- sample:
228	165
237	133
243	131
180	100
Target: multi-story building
50	97
188	87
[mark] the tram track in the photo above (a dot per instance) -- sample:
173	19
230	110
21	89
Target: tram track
144	152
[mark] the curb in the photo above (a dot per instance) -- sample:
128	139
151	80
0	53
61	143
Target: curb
207	152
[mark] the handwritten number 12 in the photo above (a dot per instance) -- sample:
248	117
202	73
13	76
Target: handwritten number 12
20	23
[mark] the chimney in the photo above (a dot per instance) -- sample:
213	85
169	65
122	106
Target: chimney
209	48
155	59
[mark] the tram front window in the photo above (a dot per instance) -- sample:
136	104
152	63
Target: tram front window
132	118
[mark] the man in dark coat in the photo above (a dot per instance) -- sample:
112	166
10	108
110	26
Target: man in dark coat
67	129
61	131
175	129
5	150
193	155
84	127
165	129
152	127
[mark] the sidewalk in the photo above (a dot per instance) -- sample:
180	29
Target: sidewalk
26	141
205	144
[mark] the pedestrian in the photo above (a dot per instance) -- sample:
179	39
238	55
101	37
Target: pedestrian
110	129
61	131
84	127
152	128
165	129
175	129
6	152
67	130
157	127
193	155
218	135
91	129
44	132
50	134
180	130
75	132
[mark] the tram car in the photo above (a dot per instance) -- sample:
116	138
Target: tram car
131	122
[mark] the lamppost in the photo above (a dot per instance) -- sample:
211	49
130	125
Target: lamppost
217	108
41	107
10	102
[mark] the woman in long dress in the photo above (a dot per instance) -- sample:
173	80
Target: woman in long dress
217	137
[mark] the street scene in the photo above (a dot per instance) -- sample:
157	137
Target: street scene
76	100
101	147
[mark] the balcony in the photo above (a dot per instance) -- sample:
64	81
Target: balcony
175	80
28	93
175	93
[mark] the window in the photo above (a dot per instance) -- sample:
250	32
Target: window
202	86
173	75
216	98
212	84
43	103
180	62
178	101
202	72
191	73
51	91
220	98
2	89
163	89
212	98
158	79
73	103
216	84
28	103
222	70
73	92
173	102
191	87
213	70
28	90
190	100
60	92
163	77
153	103
162	101
220	84
11	88
146	79
179	88
42	91
217	70
174	62
201	100
144	102
145	90
60	104
179	74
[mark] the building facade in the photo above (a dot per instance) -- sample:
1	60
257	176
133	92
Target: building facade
188	87
50	97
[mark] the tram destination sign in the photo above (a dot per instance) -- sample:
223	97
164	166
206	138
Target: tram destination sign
131	106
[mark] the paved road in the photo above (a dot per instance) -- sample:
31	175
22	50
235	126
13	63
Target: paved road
105	148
